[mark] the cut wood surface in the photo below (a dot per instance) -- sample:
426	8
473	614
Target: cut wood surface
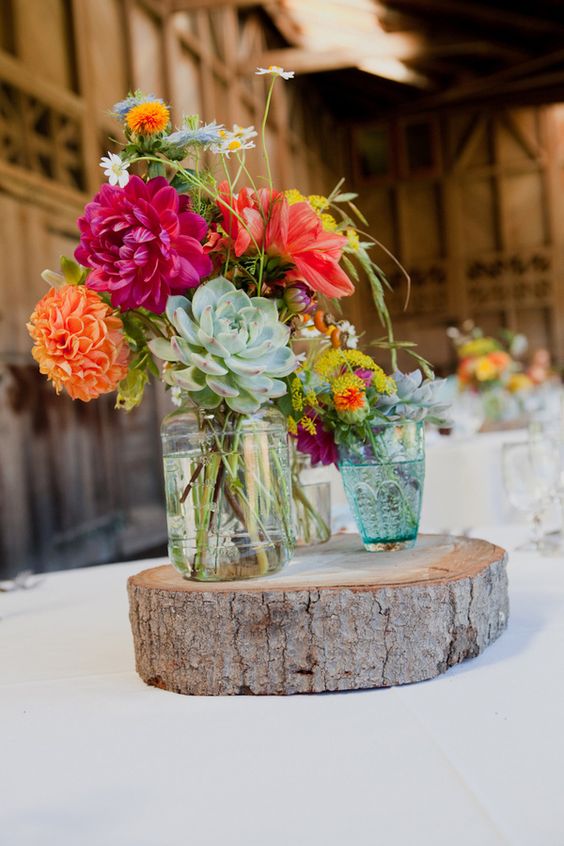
337	618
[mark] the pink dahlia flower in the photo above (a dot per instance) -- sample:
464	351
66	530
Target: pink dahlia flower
321	447
142	243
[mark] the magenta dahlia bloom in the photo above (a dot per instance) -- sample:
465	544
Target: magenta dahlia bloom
143	243
321	447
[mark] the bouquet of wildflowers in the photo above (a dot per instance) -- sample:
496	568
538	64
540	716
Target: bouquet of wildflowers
202	276
167	242
340	394
343	408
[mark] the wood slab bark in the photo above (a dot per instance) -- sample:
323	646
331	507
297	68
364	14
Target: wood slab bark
338	618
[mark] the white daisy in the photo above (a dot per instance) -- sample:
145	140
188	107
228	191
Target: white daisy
233	143
115	169
244	133
275	70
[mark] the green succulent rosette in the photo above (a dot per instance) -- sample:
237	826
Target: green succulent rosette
229	347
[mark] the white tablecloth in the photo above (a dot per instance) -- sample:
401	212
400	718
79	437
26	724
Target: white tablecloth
464	482
89	755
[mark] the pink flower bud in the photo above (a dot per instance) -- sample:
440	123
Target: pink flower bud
298	298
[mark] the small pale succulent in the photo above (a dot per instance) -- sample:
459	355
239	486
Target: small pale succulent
229	347
415	398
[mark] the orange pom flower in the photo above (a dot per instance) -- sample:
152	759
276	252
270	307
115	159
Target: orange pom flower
351	399
79	342
148	118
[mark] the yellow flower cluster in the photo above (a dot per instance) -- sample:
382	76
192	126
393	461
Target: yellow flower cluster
346	381
311	399
308	424
382	383
477	347
297	394
318	203
353	239
330	363
328	222
294	196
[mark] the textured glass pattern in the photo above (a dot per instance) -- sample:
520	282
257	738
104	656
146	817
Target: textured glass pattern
227	495
383	481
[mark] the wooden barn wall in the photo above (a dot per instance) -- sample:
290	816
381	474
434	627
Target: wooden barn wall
81	483
471	204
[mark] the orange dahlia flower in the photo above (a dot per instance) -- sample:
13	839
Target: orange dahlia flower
79	342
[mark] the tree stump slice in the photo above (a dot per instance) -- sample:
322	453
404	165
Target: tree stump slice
337	618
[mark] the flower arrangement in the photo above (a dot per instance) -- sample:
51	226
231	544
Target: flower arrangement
344	408
206	278
164	227
492	369
486	362
340	395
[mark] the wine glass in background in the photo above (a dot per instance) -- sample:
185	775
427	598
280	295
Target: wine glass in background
552	434
530	477
548	403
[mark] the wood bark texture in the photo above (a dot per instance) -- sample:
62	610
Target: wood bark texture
337	618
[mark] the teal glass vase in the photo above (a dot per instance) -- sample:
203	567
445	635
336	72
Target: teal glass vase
383	480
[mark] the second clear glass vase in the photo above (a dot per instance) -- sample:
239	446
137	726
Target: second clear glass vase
311	499
227	483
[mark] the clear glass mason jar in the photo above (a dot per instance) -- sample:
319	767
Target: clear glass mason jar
227	484
383	480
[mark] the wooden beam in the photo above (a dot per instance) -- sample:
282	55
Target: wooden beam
83	42
18	74
485	47
286	25
308	61
37	189
503	80
395	71
522	136
482	13
382	64
398	46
